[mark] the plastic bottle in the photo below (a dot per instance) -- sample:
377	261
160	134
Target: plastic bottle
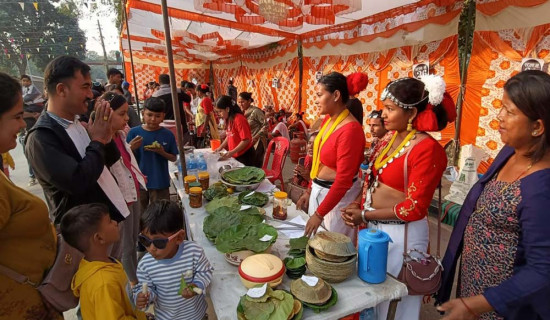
178	163
201	165
192	165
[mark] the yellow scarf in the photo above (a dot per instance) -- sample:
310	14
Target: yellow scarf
319	142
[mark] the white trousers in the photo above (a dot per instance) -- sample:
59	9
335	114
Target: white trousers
333	220
418	236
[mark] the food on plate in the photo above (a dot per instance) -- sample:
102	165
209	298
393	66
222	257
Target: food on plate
244	175
253	237
154	145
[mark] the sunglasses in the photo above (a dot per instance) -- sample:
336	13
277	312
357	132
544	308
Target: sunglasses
375	115
159	243
109	96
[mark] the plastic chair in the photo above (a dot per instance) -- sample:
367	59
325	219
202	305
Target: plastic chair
282	146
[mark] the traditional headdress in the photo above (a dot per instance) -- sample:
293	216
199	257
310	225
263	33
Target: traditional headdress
356	82
434	92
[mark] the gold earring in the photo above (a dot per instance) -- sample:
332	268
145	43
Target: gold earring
409	125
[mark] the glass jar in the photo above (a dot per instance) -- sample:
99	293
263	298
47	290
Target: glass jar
204	179
279	205
195	197
186	181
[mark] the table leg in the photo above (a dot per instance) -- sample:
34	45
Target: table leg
392	309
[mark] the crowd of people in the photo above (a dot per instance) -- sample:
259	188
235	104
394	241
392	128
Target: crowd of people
106	185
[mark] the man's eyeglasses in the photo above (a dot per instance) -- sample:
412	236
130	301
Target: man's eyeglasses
159	243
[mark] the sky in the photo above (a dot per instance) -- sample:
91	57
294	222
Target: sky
88	23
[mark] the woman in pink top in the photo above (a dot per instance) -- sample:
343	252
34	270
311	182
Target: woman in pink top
129	179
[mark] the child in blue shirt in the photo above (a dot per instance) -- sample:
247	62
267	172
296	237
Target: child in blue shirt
170	258
153	157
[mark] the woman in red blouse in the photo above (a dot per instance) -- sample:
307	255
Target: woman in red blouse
405	173
239	138
337	154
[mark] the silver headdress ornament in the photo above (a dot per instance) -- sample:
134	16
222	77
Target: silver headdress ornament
386	94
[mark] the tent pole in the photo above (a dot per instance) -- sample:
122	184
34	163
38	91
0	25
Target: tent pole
136	95
463	75
300	74
175	101
212	82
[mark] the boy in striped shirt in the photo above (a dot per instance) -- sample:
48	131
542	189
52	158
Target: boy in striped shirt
169	259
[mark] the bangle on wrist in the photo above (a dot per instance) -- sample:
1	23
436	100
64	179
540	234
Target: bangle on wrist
318	215
363	216
469	309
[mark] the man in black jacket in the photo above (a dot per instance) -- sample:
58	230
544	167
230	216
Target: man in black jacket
69	160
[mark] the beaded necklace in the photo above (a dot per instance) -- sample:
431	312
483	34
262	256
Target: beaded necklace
380	164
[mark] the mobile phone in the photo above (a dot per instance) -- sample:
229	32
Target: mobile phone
301	161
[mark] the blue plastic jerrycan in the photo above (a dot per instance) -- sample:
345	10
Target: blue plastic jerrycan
373	255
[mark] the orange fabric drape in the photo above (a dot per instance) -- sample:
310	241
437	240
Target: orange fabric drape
496	56
495	6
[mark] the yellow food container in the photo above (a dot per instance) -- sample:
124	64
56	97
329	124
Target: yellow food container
195	197
204	179
186	181
279	205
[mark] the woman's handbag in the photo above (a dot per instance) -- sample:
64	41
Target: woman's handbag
421	272
55	288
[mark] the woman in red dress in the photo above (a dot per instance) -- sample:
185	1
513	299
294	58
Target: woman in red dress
337	154
239	137
405	173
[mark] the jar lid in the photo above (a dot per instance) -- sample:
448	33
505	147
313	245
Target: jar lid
195	190
204	175
262	267
280	195
189	178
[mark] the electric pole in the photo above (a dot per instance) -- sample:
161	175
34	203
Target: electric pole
103	46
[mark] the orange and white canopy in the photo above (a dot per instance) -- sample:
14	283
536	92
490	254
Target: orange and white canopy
207	30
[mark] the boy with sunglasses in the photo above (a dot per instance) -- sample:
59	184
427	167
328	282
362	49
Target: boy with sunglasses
170	257
100	282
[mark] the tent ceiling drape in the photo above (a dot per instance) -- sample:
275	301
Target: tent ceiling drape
207	30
